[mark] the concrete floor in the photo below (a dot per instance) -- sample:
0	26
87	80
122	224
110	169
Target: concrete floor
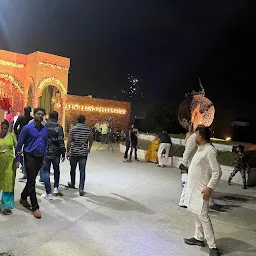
130	210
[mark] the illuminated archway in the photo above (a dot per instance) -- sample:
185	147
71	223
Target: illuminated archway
47	81
56	83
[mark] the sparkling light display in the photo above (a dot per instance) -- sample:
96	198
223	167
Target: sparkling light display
11	64
10	79
132	88
48	80
94	109
54	66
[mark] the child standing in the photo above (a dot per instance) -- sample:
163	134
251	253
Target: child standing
240	166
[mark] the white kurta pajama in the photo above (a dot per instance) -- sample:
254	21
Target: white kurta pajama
204	171
190	150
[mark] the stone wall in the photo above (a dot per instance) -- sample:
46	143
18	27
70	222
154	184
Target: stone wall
96	110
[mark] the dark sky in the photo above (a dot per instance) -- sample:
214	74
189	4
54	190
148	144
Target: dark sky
166	44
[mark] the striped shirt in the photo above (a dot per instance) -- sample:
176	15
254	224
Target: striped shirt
79	136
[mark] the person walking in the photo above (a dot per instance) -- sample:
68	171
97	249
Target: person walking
203	175
18	126
134	144
33	138
16	118
7	168
165	145
128	141
10	119
97	128
190	150
77	151
240	166
56	152
104	132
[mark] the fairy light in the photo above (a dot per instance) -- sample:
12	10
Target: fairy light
11	64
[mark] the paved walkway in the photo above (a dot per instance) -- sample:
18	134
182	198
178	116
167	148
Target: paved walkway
130	210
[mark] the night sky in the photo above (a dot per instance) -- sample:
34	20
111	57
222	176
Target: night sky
166	44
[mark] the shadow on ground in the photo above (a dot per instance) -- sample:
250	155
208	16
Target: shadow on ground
234	198
6	253
230	246
120	204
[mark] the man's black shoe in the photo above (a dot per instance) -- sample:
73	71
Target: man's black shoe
81	193
70	185
193	241
214	252
25	204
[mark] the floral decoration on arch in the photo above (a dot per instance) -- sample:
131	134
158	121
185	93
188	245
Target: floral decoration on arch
48	80
6	78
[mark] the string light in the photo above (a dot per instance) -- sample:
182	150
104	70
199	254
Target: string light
54	66
94	109
11	64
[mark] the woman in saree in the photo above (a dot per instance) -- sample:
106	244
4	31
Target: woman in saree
7	168
152	153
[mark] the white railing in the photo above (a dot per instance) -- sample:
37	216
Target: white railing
175	161
176	141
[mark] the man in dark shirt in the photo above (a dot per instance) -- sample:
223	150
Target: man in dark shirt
19	124
78	150
34	138
22	121
240	166
165	145
55	152
134	143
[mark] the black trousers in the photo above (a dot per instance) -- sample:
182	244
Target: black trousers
127	149
243	174
134	148
32	164
97	135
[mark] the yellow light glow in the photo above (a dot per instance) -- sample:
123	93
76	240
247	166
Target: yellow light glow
100	109
45	64
228	138
11	64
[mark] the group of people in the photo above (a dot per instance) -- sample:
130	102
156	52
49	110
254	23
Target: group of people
201	173
158	151
101	130
38	145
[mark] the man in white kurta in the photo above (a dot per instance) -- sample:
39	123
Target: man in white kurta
190	150
203	175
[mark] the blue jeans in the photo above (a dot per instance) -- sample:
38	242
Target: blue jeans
41	175
46	174
81	160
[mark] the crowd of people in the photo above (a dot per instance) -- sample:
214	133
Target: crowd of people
200	173
158	151
38	144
